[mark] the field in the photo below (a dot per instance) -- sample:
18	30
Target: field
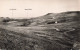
42	37
42	33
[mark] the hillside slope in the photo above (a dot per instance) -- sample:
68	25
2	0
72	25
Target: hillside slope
52	18
50	36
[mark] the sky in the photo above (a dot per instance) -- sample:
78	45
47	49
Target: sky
38	7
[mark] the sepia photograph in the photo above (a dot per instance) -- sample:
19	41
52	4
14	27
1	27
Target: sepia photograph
39	24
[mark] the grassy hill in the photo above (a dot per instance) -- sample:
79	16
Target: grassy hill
51	18
44	35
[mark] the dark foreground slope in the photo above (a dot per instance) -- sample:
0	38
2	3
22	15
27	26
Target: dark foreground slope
57	36
34	40
49	37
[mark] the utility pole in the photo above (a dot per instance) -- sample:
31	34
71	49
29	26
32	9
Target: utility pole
27	11
12	11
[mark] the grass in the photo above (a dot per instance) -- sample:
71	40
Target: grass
42	37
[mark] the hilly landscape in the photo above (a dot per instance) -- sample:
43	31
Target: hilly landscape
53	31
51	18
